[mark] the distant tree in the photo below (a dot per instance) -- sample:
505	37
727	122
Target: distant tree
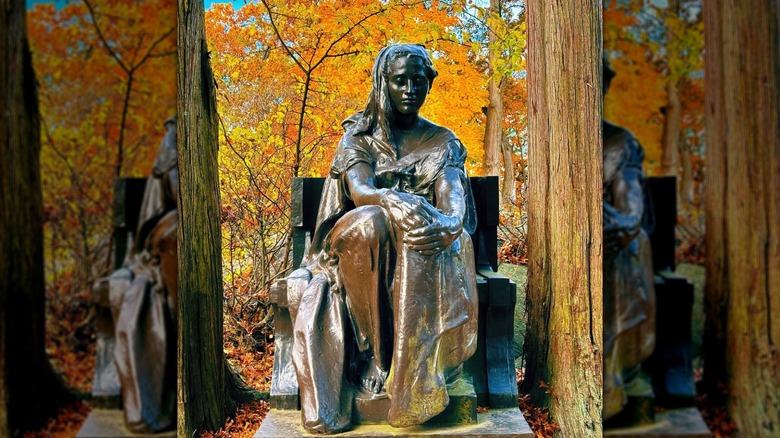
29	388
742	303
563	342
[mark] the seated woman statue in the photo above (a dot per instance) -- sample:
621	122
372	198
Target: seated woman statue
142	295
629	291
390	307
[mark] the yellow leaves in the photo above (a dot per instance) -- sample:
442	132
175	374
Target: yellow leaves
663	45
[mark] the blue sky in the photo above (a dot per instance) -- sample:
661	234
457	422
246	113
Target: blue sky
207	3
236	3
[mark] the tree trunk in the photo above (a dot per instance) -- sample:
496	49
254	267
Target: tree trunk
508	183
685	188
742	206
29	389
672	115
495	108
208	390
564	332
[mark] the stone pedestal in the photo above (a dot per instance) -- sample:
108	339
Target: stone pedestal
110	423
461	410
673	423
504	423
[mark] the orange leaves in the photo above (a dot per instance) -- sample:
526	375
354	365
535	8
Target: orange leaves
244	424
538	418
66	423
650	45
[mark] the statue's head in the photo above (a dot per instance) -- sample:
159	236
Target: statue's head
398	68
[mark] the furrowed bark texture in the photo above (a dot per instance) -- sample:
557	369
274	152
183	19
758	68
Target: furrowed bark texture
742	302
564	338
202	395
29	389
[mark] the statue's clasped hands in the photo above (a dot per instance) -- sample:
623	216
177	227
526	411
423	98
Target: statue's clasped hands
426	229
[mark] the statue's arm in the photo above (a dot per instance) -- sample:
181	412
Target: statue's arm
447	222
407	211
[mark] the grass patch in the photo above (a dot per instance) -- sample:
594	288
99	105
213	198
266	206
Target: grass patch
518	274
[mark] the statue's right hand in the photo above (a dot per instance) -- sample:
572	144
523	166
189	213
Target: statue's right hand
407	211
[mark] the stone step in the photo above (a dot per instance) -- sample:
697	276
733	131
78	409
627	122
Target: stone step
110	423
494	423
462	408
672	423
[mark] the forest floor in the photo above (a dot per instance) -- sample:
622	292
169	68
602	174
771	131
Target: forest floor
75	360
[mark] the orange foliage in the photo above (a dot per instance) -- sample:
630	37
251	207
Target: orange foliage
94	117
243	424
286	80
538	418
648	46
65	424
103	101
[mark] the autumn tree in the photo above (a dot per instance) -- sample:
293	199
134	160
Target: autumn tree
29	389
563	300
658	59
261	105
743	221
208	389
504	44
93	119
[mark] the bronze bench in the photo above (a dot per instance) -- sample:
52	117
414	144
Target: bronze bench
492	367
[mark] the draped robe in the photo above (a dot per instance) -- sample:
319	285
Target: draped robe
629	291
367	291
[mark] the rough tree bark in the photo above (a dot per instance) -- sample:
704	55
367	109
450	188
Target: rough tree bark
742	327
564	332
29	388
208	390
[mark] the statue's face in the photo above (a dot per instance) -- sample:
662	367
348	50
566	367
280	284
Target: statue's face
407	84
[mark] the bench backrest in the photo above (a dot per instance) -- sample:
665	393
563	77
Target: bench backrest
306	194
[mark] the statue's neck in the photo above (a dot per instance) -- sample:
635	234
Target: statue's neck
405	122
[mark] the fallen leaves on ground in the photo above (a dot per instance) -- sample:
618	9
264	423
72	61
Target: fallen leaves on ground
65	424
538	418
514	251
713	411
244	424
254	366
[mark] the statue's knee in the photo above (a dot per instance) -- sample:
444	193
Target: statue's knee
368	222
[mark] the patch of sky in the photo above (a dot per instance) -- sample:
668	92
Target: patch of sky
237	4
58	4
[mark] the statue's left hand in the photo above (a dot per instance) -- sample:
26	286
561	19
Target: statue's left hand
435	237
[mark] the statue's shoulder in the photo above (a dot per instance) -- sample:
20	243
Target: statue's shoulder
443	143
620	142
436	132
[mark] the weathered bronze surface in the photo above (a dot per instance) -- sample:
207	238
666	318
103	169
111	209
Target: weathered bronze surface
142	298
629	295
385	304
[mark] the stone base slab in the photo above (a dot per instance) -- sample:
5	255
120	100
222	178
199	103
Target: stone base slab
495	423
673	423
110	423
462	408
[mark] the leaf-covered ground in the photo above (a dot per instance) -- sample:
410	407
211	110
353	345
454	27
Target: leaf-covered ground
71	346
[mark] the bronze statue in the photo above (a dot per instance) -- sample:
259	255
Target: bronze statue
143	302
389	307
629	295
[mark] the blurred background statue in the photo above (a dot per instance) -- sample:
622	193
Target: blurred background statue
142	297
629	295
